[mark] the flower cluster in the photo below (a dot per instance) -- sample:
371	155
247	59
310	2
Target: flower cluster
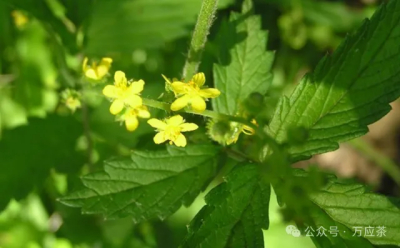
127	104
125	94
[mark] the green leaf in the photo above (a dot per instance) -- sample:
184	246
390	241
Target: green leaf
148	184
235	213
27	154
243	63
348	90
121	26
357	208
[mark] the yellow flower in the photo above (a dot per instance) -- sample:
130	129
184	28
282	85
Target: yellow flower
71	99
20	19
123	93
96	71
130	117
171	129
192	93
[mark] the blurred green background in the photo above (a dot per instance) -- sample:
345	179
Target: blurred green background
43	147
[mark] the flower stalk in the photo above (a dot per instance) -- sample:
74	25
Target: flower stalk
201	31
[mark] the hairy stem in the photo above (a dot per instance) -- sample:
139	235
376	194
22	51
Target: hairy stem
206	113
201	30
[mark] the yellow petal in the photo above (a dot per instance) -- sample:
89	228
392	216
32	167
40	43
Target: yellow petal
131	123
84	64
180	141
106	62
159	138
90	73
198	104
186	127
199	79
102	71
142	112
160	125
136	87
116	107
119	78
180	103
110	91
133	101
175	120
210	93
179	87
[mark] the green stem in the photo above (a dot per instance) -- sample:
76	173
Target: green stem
206	113
201	30
380	159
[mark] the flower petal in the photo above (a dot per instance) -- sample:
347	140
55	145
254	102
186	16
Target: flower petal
199	79
116	107
110	91
209	93
131	123
180	141
90	73
106	62
178	87
198	104
133	101
159	138
120	79
160	125
186	127
175	120
84	64
136	87
102	70
143	112
180	103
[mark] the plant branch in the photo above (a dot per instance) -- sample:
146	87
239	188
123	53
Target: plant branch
206	113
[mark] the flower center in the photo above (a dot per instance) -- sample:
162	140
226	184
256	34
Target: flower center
172	132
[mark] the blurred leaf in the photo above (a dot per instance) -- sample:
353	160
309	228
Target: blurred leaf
348	90
147	185
355	207
235	212
41	10
244	65
28	153
121	26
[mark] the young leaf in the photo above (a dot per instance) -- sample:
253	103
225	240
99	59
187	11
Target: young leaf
148	184
235	212
27	154
360	210
348	90
244	64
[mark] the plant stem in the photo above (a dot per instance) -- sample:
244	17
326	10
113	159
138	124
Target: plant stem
380	159
206	113
201	30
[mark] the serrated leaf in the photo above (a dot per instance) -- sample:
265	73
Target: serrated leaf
348	90
121	26
27	154
148	184
357	208
235	213
243	63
